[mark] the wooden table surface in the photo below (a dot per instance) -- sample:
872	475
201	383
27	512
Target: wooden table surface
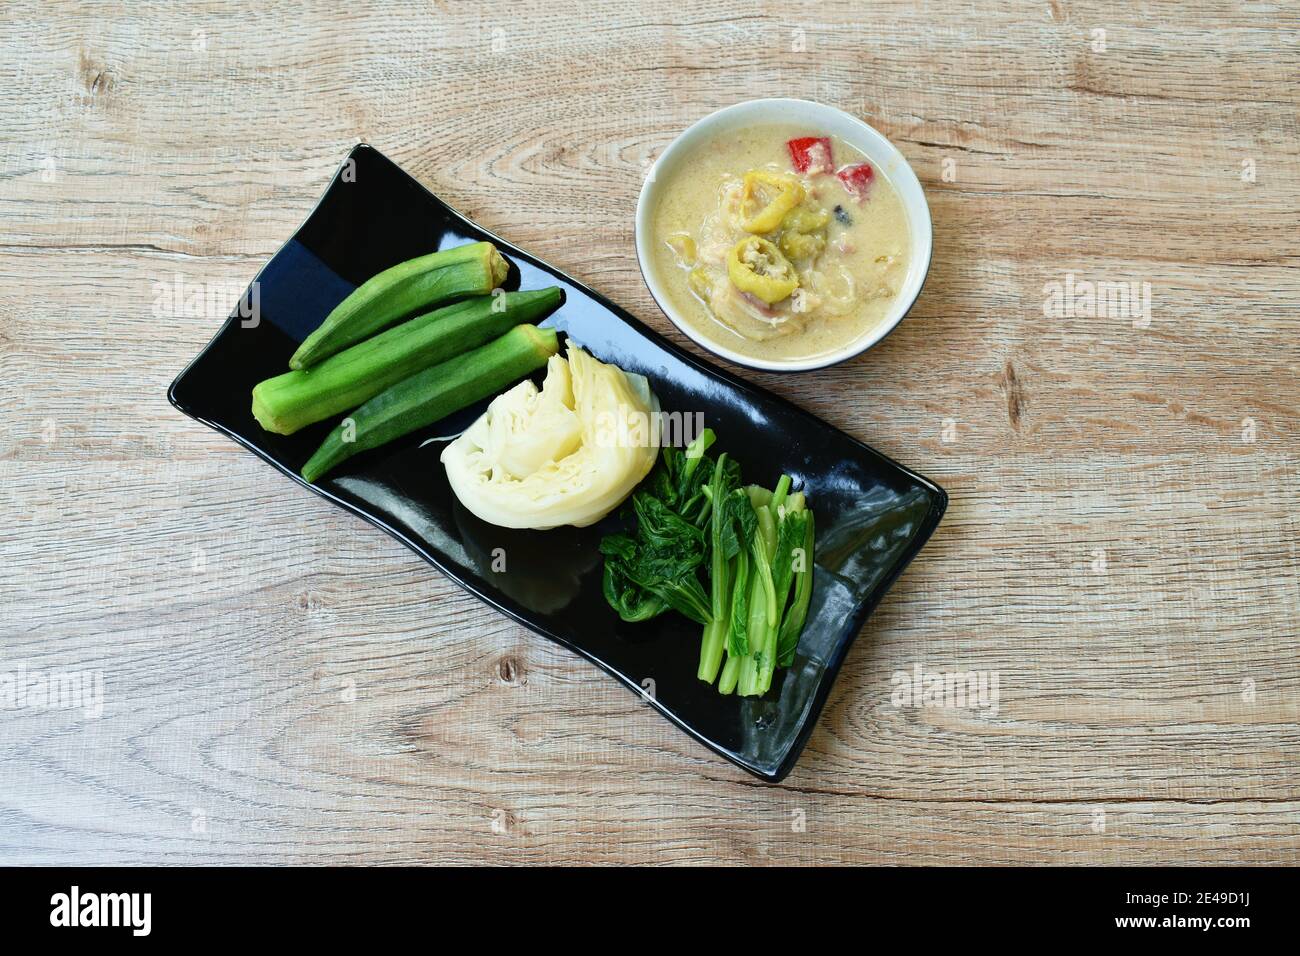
283	683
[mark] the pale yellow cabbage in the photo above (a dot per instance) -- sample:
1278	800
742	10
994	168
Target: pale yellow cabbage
568	454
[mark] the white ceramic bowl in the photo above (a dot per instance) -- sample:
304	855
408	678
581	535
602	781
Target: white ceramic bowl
818	118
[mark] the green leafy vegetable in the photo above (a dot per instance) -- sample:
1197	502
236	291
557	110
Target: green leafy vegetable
797	613
715	630
655	569
754	547
738	633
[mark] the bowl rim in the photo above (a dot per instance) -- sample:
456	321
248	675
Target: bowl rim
918	213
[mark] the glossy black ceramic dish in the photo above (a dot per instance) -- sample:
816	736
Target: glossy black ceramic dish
873	515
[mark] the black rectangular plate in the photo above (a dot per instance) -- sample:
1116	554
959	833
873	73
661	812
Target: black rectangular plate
873	515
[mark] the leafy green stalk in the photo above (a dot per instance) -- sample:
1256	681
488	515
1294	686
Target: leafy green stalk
764	549
747	681
730	675
711	647
762	603
797	613
693	456
778	495
717	493
790	536
715	633
695	450
738	631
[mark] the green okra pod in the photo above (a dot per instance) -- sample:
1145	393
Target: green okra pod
408	287
433	394
298	398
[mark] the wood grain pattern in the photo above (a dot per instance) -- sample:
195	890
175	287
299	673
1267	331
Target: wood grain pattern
284	684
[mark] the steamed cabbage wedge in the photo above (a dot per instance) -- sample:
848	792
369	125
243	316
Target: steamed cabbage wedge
568	454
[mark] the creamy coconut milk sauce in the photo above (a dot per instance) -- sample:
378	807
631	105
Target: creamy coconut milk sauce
780	242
